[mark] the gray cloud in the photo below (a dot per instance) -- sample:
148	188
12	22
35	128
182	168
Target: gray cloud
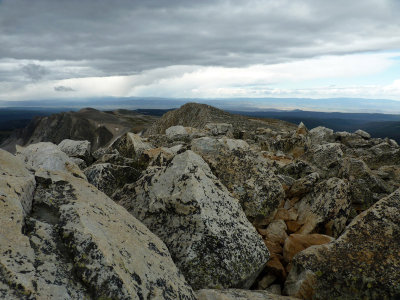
62	88
126	37
34	71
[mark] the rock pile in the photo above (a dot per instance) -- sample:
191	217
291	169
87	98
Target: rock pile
206	206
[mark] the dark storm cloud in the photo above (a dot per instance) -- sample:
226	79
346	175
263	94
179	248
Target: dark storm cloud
62	88
124	37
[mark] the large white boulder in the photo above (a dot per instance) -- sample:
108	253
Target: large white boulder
49	157
205	229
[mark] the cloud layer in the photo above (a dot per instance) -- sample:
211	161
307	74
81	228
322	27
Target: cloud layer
152	43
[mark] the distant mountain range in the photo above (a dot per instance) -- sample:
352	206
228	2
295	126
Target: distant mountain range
381	118
349	105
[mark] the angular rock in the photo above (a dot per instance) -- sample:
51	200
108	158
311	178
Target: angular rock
79	162
114	158
364	185
303	185
204	228
108	177
275	267
321	135
217	129
246	174
113	254
353	140
60	238
363	263
291	144
296	243
328	158
297	169
379	155
266	281
130	145
160	156
286	215
77	149
302	129
276	231
326	208
363	134
234	294
176	133
49	157
293	226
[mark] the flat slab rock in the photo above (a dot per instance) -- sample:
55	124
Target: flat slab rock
235	294
16	194
363	263
205	229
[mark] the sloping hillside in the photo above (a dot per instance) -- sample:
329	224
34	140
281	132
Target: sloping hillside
98	127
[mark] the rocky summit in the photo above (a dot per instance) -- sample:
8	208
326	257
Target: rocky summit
202	204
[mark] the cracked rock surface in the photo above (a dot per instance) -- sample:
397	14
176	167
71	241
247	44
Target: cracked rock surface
67	240
363	263
205	229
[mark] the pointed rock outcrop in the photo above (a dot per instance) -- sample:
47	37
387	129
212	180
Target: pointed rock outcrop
205	229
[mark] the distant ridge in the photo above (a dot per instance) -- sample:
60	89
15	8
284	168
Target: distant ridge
199	115
99	128
349	105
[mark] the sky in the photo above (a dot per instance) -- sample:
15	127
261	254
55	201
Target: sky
56	49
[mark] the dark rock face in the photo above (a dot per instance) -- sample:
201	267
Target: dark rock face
99	128
108	178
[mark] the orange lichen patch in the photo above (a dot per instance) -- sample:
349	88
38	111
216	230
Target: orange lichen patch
297	152
275	267
286	215
262	231
273	247
293	226
286	187
283	159
298	242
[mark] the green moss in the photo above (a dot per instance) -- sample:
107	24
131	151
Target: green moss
318	273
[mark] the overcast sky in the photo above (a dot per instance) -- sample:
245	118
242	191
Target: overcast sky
173	48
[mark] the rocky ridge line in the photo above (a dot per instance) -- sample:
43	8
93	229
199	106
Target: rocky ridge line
325	205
